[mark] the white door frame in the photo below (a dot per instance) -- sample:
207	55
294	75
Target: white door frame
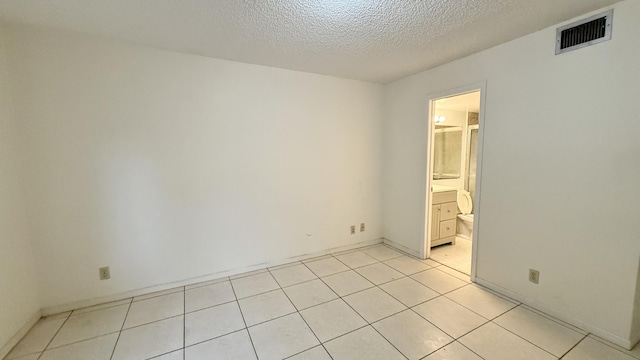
426	249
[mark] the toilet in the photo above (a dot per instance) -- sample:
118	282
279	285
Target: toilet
464	224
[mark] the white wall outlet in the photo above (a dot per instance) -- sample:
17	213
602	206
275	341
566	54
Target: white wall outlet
534	276
105	274
361	227
353	229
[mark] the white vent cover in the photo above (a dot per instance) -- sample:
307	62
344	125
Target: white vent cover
586	32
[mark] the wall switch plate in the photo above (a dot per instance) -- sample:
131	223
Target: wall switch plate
361	227
534	276
104	273
353	229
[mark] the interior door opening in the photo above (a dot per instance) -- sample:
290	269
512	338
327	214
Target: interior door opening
452	203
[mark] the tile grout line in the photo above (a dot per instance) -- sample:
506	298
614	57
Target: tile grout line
574	346
243	320
120	332
54	335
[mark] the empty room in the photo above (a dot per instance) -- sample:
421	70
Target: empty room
328	179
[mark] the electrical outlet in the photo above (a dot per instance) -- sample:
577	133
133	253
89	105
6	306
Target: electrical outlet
361	227
534	276
104	273
353	229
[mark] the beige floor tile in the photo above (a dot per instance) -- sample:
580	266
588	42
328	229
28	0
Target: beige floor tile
209	295
35	356
451	317
455	273
379	273
407	265
374	304
91	324
248	273
454	351
102	306
635	352
547	334
150	340
154	309
282	337
332	319
236	346
212	322
37	338
409	291
438	280
356	259
282	266
254	285
158	293
347	282
365	343
412	335
264	307
317	353
481	301
326	266
293	275
590	349
309	294
206	283
382	253
493	342
99	348
174	355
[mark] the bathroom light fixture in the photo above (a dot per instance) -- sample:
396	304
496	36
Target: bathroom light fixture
438	119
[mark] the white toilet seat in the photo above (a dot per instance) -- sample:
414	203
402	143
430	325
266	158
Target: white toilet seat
465	203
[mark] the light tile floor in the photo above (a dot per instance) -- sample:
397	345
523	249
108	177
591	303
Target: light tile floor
368	303
456	256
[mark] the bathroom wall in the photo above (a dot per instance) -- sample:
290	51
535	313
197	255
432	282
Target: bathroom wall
168	167
560	171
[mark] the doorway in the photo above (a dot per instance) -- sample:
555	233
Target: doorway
454	157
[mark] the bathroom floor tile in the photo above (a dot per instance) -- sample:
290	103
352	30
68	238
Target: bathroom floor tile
379	273
412	335
91	324
493	342
547	334
317	353
332	319
150	340
207	296
212	322
236	346
438	280
374	304
409	291
293	275
37	338
365	343
254	285
453	351
481	301
356	259
382	252
99	348
267	306
451	317
282	337
309	294
154	309
347	282
590	349
407	265
326	266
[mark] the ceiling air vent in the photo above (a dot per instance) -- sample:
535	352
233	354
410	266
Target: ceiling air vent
583	33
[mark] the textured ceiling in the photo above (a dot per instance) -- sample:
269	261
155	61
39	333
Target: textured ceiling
373	40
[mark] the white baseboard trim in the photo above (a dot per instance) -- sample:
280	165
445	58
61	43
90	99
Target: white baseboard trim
166	286
6	349
401	248
625	343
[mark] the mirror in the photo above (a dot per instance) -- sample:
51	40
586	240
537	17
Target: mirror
447	153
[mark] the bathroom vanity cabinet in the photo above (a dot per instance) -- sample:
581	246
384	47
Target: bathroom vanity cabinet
444	211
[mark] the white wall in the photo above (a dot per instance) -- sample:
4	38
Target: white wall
19	299
167	166
560	170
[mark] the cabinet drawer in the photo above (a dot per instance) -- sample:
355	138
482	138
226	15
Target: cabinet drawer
447	228
448	211
443	197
